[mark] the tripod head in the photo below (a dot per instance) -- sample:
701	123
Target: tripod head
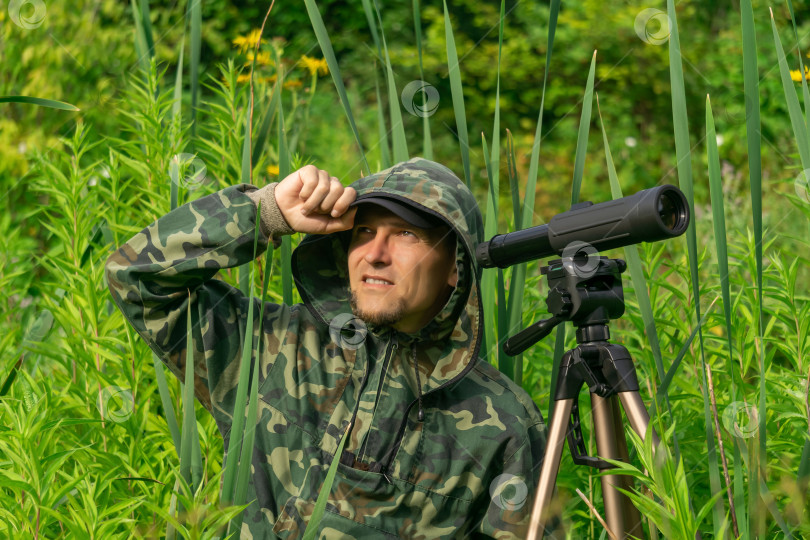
584	289
587	291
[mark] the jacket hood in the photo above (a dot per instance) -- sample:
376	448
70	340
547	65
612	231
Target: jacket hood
320	268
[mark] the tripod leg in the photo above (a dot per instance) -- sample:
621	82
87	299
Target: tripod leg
621	516
631	513
637	415
551	465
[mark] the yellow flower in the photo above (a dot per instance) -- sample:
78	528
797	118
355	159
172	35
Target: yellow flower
245	77
292	84
272	170
263	59
249	41
314	65
796	76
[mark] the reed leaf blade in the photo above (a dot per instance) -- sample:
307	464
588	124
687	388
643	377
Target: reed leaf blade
326	488
513	318
582	133
372	25
146	22
166	402
334	69
178	83
245	272
488	280
399	143
237	428
794	109
42	102
427	142
263	133
284	167
805	91
719	225
195	19
800	133
684	165
141	46
457	96
385	151
249	434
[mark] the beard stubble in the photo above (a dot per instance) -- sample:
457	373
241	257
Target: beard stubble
383	317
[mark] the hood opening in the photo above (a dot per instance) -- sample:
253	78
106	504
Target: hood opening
452	338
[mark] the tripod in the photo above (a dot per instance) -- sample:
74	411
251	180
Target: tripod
588	291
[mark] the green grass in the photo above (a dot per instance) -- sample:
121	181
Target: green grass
726	304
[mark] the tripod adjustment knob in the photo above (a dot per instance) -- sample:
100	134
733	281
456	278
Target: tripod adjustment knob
559	302
600	389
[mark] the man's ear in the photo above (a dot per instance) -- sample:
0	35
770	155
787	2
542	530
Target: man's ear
452	280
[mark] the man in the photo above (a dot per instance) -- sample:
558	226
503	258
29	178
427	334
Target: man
385	345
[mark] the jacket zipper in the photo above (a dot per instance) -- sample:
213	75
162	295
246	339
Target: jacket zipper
386	463
388	355
365	380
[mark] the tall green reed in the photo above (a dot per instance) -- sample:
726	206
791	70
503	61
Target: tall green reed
683	155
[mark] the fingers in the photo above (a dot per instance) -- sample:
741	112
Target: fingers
342	216
315	187
336	190
312	201
342	204
311	179
321	192
342	223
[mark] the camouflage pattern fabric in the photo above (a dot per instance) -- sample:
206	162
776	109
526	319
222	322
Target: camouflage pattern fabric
469	469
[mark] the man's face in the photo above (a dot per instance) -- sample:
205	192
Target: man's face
400	275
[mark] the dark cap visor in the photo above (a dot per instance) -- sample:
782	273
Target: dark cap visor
408	213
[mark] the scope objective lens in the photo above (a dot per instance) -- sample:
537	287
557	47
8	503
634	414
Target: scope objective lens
668	210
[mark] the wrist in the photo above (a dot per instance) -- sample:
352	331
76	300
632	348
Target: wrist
273	224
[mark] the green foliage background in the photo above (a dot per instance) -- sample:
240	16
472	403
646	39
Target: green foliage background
66	470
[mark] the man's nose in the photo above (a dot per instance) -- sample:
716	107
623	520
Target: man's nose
377	251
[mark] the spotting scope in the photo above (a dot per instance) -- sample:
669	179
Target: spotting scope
647	216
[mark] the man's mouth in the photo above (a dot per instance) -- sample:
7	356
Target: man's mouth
376	281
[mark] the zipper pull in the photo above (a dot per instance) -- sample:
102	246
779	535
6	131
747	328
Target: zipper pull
384	468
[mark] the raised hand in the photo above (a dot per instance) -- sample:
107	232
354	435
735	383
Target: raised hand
313	202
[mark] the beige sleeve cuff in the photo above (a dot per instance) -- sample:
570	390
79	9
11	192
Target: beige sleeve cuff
274	226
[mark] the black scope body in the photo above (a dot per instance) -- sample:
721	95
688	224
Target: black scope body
647	216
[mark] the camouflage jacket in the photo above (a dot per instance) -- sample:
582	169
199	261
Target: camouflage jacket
467	469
